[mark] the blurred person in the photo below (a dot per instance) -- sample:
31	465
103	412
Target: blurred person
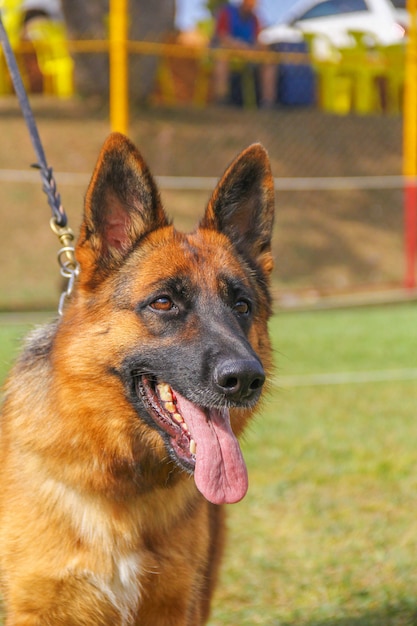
33	12
237	27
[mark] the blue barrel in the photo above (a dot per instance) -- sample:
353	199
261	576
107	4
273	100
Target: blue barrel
296	85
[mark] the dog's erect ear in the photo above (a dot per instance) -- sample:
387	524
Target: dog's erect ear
242	206
122	205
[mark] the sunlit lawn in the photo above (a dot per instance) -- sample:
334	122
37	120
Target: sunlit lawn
327	534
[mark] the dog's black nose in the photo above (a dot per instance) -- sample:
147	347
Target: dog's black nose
239	379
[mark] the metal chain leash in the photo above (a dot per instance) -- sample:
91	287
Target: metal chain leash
68	264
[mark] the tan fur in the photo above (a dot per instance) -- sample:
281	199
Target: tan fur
98	526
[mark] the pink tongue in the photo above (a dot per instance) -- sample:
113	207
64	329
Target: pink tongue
220	472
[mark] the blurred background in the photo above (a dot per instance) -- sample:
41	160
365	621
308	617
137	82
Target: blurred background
323	84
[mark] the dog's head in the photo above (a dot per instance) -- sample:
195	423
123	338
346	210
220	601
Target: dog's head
178	321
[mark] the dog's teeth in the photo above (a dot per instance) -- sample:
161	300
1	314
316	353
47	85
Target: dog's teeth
177	417
170	406
184	427
164	391
193	446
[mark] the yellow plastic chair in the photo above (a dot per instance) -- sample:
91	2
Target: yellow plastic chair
334	84
5	84
50	42
12	20
365	64
11	15
394	77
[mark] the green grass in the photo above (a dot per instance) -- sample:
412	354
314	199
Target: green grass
10	337
13	329
327	535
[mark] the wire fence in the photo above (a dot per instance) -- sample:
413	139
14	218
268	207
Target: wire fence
337	166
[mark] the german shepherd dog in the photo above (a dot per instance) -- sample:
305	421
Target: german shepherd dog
120	420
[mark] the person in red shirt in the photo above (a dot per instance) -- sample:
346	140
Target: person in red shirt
237	27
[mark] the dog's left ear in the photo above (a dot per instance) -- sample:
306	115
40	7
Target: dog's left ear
122	205
242	206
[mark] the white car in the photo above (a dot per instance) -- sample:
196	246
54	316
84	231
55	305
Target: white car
385	20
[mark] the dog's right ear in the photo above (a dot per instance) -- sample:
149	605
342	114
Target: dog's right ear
122	205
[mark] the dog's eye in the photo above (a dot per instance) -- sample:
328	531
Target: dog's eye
241	307
162	304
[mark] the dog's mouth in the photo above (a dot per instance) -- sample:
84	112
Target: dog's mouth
200	438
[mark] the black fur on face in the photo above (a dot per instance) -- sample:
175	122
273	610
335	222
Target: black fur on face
198	346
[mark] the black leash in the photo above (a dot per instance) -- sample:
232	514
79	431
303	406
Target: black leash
49	185
68	264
